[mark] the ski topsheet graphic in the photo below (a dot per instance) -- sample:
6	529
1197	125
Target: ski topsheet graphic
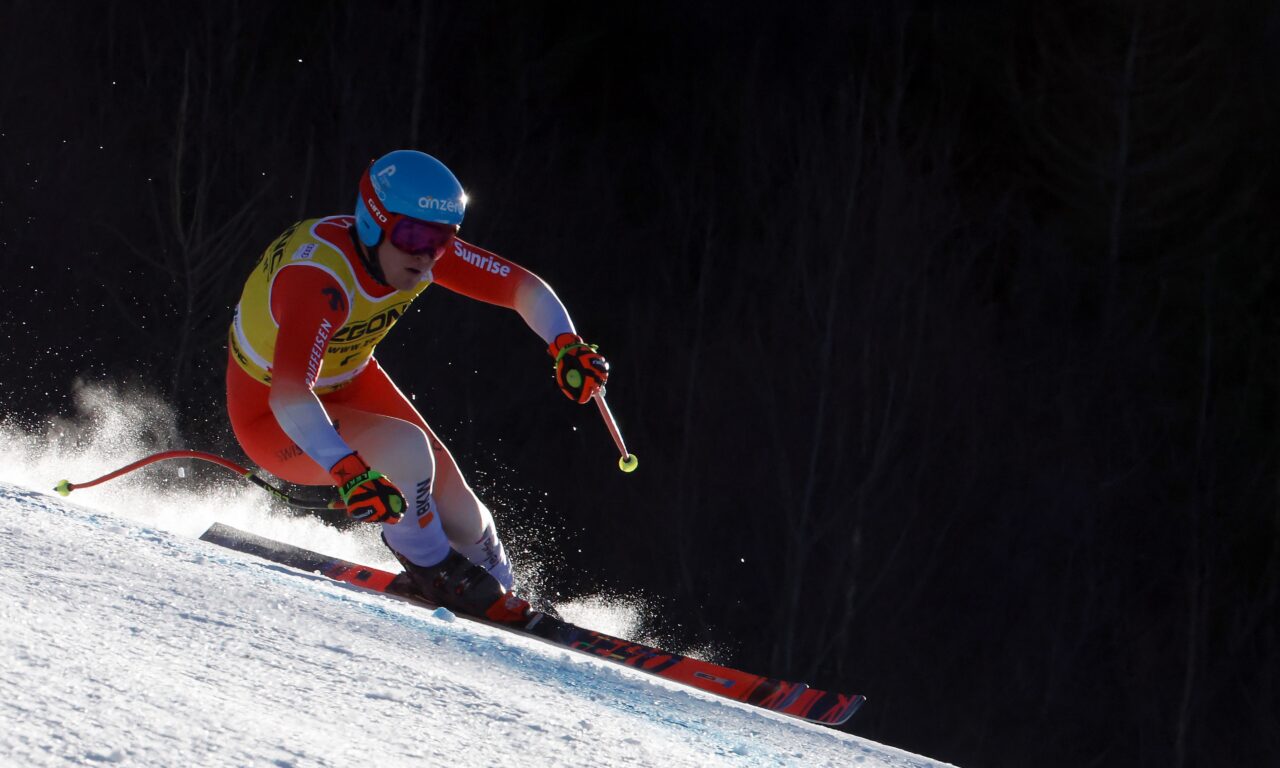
795	699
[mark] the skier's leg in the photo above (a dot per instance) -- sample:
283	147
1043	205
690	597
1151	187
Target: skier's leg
444	575
400	451
395	447
404	451
467	521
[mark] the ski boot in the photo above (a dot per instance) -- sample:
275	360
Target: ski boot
459	585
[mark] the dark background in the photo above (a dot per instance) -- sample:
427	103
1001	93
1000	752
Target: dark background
946	333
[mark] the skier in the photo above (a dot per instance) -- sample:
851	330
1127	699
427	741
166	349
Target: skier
309	402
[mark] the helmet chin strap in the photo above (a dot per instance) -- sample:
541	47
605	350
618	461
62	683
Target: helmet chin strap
368	256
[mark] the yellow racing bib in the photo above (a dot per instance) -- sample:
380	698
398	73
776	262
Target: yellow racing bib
322	244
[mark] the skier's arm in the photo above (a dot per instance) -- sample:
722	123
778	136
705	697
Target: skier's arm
479	274
580	370
309	306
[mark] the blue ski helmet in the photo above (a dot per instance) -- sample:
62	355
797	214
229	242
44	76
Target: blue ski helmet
407	183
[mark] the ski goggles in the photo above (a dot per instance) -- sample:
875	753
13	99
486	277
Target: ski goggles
417	237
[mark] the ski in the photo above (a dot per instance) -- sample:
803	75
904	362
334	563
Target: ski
794	699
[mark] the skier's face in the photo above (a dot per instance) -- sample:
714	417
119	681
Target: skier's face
403	271
410	249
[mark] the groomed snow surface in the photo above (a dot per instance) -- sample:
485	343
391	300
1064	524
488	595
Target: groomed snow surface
125	643
125	639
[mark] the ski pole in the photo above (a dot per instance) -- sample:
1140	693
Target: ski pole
65	487
627	462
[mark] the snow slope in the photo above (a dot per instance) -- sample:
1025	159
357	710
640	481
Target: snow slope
124	642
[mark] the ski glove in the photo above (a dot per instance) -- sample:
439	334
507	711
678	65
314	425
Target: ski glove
581	371
370	496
